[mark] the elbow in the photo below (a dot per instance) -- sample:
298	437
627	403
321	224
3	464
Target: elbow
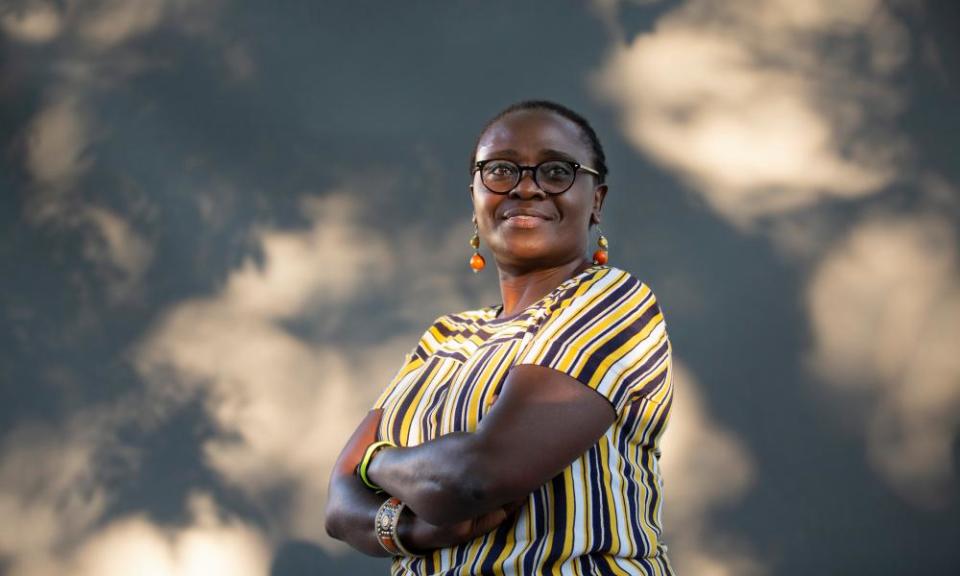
332	523
331	528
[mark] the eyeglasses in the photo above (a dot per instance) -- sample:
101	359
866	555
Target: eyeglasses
551	176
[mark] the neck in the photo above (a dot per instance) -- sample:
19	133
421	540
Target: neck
520	289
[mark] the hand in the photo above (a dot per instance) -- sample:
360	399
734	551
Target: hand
419	535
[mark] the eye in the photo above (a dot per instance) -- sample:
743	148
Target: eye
500	169
556	170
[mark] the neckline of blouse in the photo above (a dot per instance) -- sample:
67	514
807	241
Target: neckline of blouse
492	312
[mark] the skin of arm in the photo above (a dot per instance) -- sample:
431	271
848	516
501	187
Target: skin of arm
352	507
541	422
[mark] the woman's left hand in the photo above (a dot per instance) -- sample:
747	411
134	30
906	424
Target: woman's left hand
420	536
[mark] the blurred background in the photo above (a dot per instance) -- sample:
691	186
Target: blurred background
223	223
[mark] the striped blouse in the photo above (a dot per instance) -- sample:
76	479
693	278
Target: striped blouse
600	515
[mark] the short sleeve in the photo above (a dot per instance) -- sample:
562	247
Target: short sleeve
610	335
414	359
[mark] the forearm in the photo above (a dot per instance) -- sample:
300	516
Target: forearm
351	510
444	481
351	506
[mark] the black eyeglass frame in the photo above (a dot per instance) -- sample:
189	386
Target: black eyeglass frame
478	167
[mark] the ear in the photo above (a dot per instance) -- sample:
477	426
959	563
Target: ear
599	194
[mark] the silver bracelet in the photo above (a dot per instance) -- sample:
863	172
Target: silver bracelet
385	526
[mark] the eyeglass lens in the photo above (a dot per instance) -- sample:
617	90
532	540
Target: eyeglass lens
552	176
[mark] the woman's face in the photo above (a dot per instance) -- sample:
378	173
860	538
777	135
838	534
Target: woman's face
527	228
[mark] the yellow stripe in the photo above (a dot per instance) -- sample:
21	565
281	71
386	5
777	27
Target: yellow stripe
652	409
584	341
550	518
588	342
622	351
411	363
657	395
589	537
571	509
483	551
451	375
478	394
412	410
605	490
623	506
614	567
508	546
549	327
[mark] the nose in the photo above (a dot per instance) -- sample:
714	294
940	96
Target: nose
527	186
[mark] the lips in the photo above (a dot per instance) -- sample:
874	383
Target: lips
525	213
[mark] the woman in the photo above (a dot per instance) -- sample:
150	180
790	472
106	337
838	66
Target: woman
559	475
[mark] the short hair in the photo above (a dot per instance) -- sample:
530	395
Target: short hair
588	134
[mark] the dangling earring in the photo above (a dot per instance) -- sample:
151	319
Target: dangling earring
476	261
600	256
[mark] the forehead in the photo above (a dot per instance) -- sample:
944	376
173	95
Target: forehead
528	133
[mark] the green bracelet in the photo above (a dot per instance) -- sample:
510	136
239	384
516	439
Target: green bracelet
367	458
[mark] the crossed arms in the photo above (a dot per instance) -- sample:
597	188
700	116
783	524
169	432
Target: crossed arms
462	485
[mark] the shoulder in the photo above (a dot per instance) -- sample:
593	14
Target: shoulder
451	326
605	288
612	274
465	319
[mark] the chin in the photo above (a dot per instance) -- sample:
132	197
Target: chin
525	248
525	258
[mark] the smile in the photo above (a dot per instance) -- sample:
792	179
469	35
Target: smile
525	218
525	221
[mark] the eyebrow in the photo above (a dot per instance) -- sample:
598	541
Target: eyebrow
549	152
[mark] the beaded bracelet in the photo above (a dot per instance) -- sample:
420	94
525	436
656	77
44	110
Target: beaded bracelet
385	526
367	458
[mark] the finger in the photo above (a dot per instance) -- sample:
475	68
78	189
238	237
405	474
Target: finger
489	521
512	507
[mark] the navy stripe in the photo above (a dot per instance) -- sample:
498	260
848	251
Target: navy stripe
648	365
467	357
440	327
661	419
601	537
590	315
463	393
651	385
558	523
623	323
430	422
407	400
588	310
498	545
623	446
585	566
539	526
602	567
611	346
458	356
420	352
496	384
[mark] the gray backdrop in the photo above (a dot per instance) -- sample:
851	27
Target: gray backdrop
224	222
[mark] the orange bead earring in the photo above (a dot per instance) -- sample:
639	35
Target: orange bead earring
601	255
476	261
